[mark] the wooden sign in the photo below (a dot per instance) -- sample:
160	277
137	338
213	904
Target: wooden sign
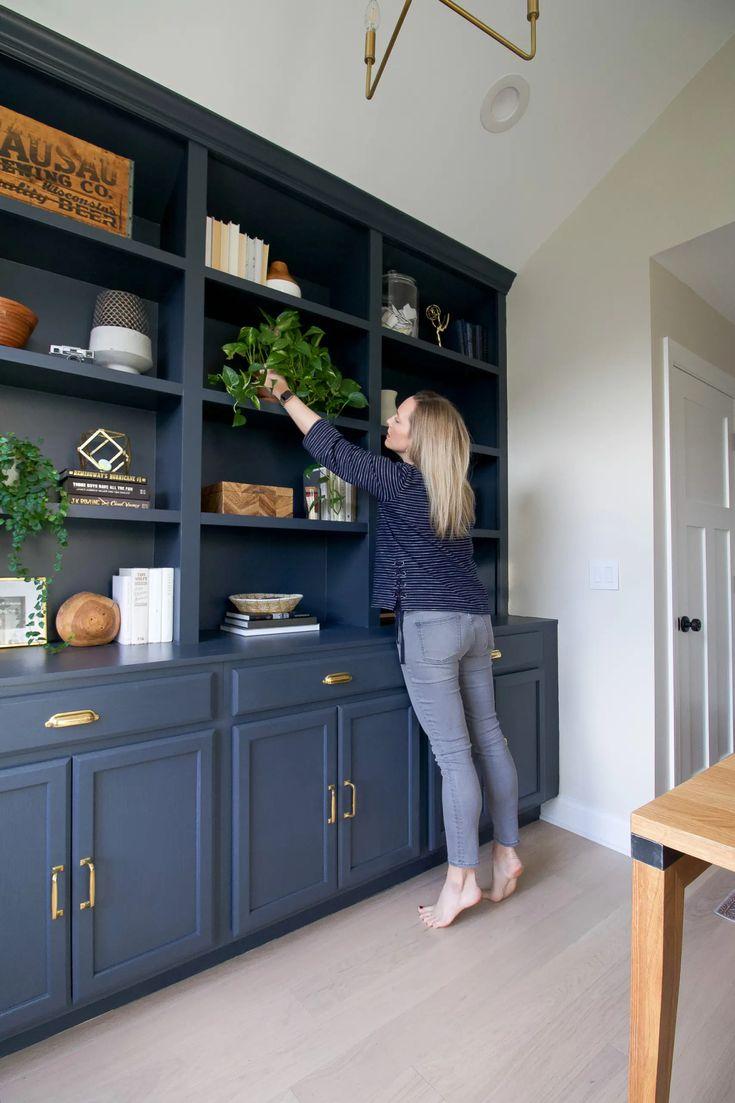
53	170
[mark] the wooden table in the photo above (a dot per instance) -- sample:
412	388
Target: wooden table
674	838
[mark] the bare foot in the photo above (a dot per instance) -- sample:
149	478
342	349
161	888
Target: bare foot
453	898
507	868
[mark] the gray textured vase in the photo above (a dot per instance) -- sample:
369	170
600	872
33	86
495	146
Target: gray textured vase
121	332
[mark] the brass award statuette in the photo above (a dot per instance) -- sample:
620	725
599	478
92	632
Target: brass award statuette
434	314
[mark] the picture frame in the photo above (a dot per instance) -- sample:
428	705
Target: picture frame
23	611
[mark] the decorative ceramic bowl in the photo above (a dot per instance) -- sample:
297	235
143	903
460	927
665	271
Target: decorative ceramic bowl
265	603
17	323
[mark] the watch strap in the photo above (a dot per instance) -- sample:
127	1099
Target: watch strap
285	395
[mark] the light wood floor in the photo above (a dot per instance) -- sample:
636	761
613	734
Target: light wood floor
520	1002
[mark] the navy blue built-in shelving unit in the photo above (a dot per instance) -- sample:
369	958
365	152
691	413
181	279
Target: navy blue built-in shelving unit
337	241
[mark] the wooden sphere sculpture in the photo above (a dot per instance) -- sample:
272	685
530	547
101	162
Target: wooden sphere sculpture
91	619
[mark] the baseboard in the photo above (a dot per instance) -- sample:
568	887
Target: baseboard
601	827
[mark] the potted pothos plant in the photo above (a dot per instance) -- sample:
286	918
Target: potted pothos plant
29	488
280	344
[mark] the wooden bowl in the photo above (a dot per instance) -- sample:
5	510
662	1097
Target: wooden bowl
93	619
17	323
265	603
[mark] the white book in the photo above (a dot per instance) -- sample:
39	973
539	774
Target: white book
270	631
167	604
258	265
154	604
242	255
208	243
233	231
122	593
139	576
224	248
252	247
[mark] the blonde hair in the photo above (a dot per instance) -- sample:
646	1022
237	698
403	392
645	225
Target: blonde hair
440	448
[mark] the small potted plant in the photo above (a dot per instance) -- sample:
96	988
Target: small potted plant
29	487
302	360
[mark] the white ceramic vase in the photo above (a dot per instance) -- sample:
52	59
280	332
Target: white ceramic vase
387	405
121	348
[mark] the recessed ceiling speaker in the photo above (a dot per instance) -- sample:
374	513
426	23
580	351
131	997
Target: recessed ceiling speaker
505	103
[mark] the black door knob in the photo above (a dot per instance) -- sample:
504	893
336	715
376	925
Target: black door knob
685	624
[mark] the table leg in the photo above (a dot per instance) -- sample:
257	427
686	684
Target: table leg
656	940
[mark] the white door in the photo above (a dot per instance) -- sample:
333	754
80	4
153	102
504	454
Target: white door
703	524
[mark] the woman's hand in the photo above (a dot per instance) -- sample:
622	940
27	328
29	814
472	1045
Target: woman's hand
272	385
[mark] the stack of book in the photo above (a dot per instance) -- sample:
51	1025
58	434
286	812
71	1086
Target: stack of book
228	249
146	599
105	488
249	624
468	338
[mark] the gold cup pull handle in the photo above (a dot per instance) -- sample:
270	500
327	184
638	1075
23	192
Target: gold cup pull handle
496	653
336	679
69	719
88	903
350	815
332	804
56	911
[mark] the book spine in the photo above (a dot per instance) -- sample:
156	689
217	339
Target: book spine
103	476
208	242
122	593
107	500
167	604
139	576
224	247
233	247
264	270
97	486
154	604
242	245
216	242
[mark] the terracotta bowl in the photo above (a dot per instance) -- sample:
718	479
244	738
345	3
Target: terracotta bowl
265	603
17	323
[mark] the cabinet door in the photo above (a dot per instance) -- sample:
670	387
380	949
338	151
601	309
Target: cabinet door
284	856
378	810
34	838
519	704
143	815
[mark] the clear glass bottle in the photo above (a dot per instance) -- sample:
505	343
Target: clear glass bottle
400	303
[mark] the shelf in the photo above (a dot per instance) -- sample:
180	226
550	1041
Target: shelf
475	449
43	239
485	534
302	524
416	354
231	286
222	399
118	513
54	375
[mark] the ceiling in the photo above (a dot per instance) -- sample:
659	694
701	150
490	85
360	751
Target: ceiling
707	265
293	72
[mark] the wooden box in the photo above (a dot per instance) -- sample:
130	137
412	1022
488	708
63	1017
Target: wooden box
58	172
255	499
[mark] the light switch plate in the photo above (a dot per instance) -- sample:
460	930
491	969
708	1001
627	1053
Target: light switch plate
604	574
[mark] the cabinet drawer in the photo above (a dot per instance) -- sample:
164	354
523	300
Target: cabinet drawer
518	649
122	706
282	684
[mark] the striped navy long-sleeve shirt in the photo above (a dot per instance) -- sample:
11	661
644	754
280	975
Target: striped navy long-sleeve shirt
414	568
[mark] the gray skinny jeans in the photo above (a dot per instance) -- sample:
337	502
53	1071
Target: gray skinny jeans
448	674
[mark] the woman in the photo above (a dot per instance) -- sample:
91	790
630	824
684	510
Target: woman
424	569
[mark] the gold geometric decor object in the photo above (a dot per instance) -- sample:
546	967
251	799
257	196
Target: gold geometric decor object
372	21
105	450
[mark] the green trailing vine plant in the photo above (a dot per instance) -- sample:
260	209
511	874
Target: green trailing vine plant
29	486
304	362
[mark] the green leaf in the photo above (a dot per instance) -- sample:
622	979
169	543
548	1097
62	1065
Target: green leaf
238	419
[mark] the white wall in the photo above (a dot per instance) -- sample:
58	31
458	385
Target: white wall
581	441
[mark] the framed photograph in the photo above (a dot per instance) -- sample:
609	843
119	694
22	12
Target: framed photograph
22	612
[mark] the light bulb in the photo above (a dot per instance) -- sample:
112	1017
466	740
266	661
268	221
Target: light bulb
372	16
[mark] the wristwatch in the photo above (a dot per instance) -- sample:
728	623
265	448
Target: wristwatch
284	396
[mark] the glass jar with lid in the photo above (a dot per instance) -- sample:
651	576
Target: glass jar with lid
400	310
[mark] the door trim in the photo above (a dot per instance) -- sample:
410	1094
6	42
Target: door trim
676	356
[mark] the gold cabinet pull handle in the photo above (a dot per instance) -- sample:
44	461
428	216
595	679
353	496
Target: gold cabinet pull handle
68	719
88	903
56	911
496	653
332	804
349	815
336	679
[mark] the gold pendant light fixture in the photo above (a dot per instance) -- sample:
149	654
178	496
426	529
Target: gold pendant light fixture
372	21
